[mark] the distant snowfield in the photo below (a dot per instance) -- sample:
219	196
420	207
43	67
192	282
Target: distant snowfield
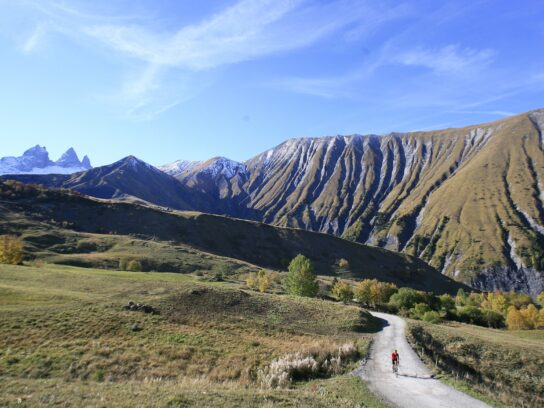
44	170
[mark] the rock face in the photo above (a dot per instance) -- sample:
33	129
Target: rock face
36	161
469	201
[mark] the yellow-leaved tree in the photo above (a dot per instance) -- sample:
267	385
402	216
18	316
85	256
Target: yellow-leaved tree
11	250
514	319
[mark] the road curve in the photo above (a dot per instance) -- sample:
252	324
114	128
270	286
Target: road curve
414	387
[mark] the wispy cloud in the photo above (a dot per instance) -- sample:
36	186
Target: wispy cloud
36	38
247	30
450	59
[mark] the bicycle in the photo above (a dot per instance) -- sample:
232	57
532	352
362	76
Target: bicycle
396	368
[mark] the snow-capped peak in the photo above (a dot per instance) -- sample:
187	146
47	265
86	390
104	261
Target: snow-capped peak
178	167
224	167
215	167
36	161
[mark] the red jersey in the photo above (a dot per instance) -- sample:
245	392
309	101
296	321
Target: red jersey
394	356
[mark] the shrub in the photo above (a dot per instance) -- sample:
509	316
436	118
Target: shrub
419	310
493	319
134	266
432	317
11	250
362	291
260	281
381	292
470	314
264	281
123	264
252	281
371	291
446	302
540	299
343	263
343	291
297	366
407	298
301	280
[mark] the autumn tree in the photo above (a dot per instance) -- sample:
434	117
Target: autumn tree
362	292
11	250
514	319
343	291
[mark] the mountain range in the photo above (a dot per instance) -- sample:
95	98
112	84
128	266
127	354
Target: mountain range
36	161
468	201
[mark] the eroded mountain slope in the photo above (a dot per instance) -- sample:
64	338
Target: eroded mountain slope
469	201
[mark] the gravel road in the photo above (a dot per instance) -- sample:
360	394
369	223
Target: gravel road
414	386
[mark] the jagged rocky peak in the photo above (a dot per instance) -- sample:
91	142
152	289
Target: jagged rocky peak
37	156
36	161
69	159
86	162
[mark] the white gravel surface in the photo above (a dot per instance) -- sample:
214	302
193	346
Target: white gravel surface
414	386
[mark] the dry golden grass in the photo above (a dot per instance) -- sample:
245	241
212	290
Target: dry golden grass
66	338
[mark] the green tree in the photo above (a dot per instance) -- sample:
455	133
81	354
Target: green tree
343	291
420	309
407	298
446	302
540	298
300	279
461	298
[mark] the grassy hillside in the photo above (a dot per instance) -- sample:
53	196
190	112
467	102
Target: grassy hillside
66	340
508	367
45	216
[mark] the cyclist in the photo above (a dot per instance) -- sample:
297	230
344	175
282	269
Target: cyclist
395	359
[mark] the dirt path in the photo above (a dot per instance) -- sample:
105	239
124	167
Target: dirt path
414	387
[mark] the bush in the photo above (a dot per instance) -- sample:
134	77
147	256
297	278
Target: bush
11	250
252	281
134	266
260	281
371	291
493	319
301	280
264	281
419	310
299	366
470	314
407	298
432	317
343	291
446	302
343	263
362	291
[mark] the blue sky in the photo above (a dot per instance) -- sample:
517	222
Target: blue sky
191	79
